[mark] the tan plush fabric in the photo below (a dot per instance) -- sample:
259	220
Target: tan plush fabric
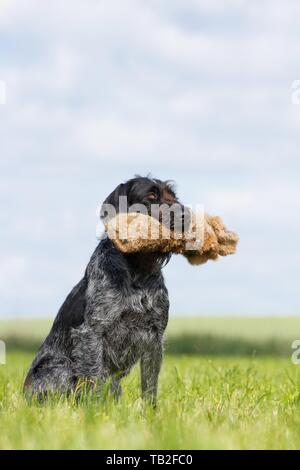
207	238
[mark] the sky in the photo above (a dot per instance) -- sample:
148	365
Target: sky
198	91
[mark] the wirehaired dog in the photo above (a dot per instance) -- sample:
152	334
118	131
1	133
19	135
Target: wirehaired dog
115	316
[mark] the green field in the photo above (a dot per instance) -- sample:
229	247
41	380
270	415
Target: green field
226	383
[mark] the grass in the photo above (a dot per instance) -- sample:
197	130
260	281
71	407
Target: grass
237	394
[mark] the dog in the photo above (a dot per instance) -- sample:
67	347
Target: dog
114	317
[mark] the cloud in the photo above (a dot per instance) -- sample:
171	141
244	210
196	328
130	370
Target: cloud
12	268
195	91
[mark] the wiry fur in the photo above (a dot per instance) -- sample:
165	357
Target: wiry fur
115	316
120	319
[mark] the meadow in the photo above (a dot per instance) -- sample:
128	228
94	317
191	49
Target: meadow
226	383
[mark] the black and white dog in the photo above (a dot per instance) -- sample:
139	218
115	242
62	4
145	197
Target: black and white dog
115	316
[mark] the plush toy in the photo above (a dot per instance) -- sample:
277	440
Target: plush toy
207	238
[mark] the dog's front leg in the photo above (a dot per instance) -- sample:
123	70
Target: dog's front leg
115	387
151	361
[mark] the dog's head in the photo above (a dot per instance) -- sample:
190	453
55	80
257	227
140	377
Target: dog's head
149	196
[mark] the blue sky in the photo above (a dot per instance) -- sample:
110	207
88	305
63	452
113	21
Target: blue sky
197	91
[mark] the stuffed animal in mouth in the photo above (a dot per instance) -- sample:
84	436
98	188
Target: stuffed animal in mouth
207	237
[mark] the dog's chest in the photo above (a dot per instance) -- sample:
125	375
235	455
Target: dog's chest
139	324
142	312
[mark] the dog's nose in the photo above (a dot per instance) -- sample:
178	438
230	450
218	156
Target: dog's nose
181	219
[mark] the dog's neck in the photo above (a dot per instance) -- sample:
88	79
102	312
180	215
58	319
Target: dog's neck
146	263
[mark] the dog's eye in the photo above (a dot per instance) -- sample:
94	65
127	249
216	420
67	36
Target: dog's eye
153	196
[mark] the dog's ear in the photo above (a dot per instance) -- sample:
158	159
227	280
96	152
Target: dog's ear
113	201
113	198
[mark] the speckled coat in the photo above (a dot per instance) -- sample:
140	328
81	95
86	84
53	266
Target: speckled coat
115	316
